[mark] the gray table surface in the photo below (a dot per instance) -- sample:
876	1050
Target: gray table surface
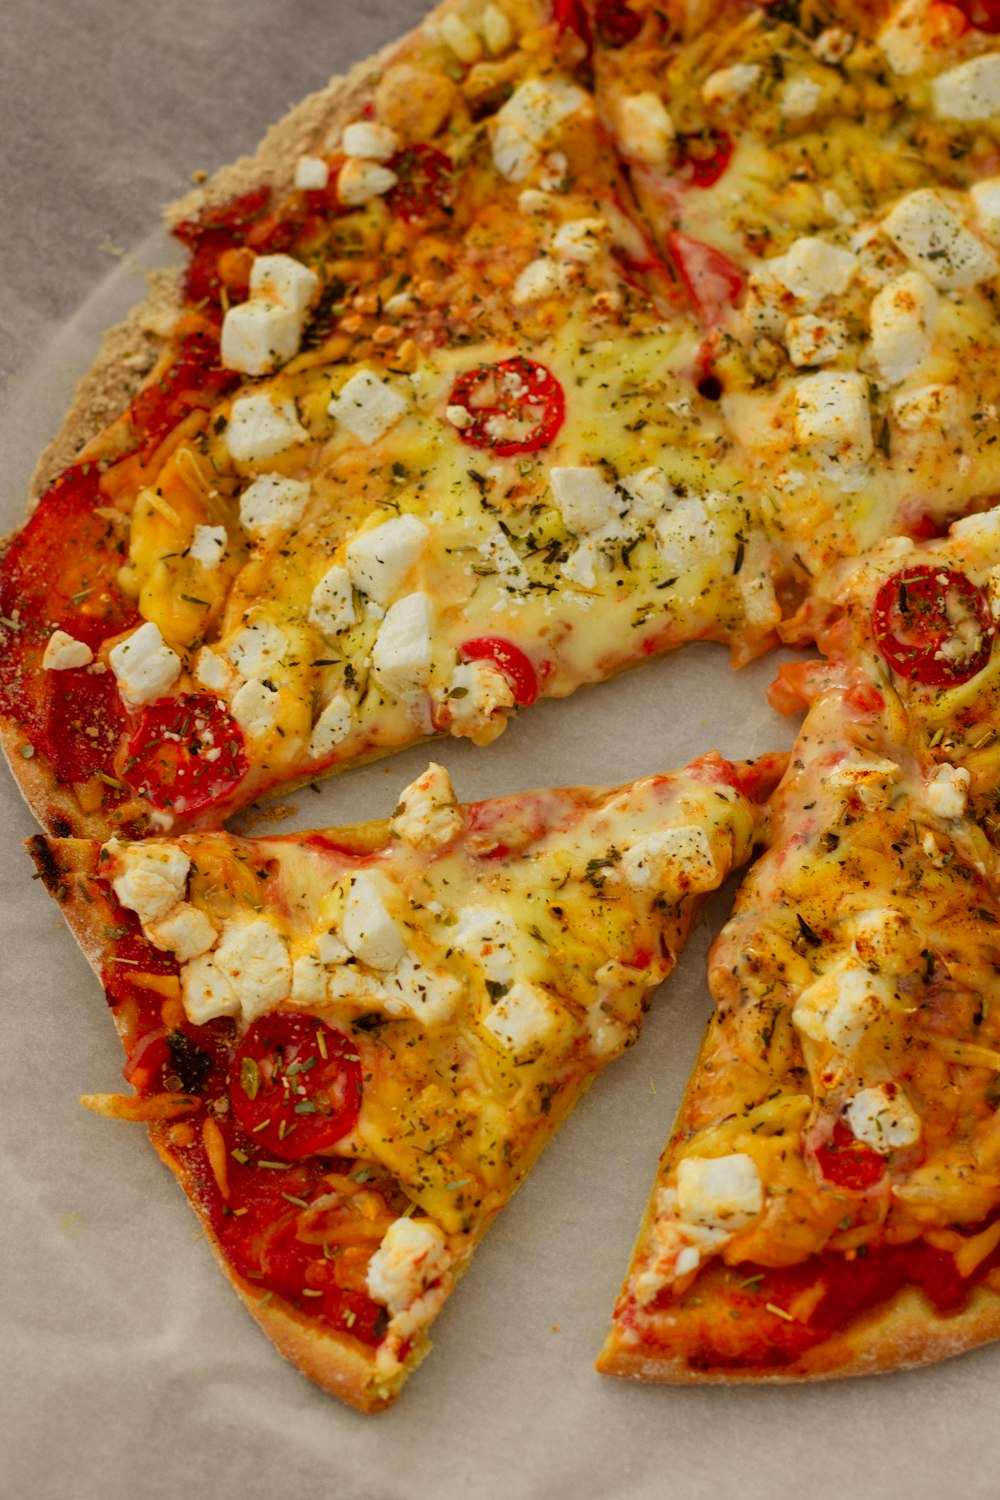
126	1367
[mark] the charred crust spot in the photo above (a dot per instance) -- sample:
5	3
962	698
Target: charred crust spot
60	829
47	866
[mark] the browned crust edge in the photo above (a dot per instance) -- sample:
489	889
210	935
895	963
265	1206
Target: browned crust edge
903	1334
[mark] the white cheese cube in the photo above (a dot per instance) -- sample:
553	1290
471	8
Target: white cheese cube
814	341
645	129
532	114
255	708
144	666
360	181
273	504
832	413
487	936
798	97
401	656
540	278
479	699
309	981
312	174
379	560
148	878
461	38
726	86
372	142
648	493
523	1020
985	197
282	279
833	45
206	992
418	993
426	815
257	648
367	407
254	959
184	931
883	1118
258	336
497	30
500	558
331	950
930	406
841	1005
211	672
685	535
886	940
208	545
412	1256
906	40
583	497
813	269
259	429
933	237
368	928
64	652
719	1192
676	859
948	791
333	725
869	776
971	91
579	239
331	608
902	325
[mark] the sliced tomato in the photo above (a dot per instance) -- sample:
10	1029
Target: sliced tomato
511	660
295	1086
426	181
933	625
705	156
216	230
233	215
984	15
515	406
849	1163
85	723
158	408
713	282
570	15
185	753
616	23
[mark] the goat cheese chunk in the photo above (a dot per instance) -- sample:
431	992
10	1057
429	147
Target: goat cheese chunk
367	407
532	114
368	928
412	1256
284	281
813	269
985	197
331	608
401	656
257	648
144	665
273	504
970	91
523	1020
726	86
312	174
719	1192
932	236
258	337
902	325
379	560
948	791
584	498
206	992
883	1118
185	931
416	992
358	182
254	959
259	428
645	129
333	725
479	699
427	816
148	878
814	341
63	652
366	139
833	415
255	708
838	1008
673	858
208	545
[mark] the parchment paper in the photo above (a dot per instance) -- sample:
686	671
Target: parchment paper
126	1365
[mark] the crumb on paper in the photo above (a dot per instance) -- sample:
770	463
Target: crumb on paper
255	815
108	247
652	1085
71	1225
199	176
555	1328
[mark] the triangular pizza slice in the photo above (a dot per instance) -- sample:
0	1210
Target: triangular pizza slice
350	1045
829	1201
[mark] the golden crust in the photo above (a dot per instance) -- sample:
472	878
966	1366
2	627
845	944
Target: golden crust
904	1333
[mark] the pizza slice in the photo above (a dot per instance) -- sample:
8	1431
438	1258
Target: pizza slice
829	1201
350	1045
418	447
822	179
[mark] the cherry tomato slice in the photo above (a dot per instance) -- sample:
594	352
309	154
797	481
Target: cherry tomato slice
512	662
515	406
706	156
426	179
85	724
984	15
849	1163
295	1085
933	625
185	753
712	281
616	23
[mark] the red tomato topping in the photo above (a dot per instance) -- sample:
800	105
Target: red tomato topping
426	179
933	624
233	215
570	15
86	721
190	383
712	281
223	227
616	23
706	156
512	662
515	406
185	753
849	1163
984	15
295	1085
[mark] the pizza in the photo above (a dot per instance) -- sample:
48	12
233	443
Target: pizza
560	335
828	1202
349	1046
